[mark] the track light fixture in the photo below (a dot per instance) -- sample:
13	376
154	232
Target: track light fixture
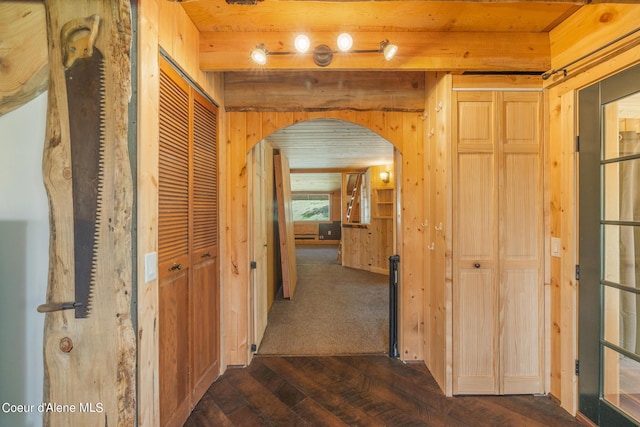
323	54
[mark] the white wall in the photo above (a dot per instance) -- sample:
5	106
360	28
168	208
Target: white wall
24	252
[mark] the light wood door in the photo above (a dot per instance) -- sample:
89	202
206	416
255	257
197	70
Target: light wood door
498	305
173	250
520	231
475	292
205	313
259	218
285	225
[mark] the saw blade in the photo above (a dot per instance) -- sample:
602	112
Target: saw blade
86	101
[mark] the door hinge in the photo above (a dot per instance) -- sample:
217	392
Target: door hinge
253	265
254	348
577	368
577	271
578	144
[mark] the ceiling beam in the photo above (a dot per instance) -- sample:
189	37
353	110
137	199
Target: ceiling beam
322	90
427	51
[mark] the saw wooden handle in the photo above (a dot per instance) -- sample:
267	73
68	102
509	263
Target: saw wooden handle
80	47
57	306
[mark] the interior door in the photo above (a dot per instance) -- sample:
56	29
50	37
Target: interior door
173	250
475	317
205	313
520	231
285	221
259	218
609	250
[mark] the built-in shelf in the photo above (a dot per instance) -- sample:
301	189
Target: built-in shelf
383	203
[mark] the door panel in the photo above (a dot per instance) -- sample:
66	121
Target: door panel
173	249
520	213
259	217
205	321
475	312
609	126
173	330
476	207
521	361
476	348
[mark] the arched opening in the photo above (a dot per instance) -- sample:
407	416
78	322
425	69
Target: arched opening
341	305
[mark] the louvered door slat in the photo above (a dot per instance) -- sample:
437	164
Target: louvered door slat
205	206
173	218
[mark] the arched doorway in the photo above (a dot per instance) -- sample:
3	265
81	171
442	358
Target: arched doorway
322	154
407	132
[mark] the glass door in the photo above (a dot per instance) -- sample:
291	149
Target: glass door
609	162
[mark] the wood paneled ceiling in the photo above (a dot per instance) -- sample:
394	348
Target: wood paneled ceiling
318	150
446	35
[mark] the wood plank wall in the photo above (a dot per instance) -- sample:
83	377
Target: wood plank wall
437	225
589	28
239	131
161	25
405	131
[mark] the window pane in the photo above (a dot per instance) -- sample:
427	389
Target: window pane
621	191
311	207
621	255
621	325
622	382
621	128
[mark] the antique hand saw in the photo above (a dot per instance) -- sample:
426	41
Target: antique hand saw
84	75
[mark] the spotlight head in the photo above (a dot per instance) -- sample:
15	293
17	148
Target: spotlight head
345	41
259	54
388	50
302	43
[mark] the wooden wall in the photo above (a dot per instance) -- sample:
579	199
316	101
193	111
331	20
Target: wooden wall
437	225
161	25
405	131
591	27
426	279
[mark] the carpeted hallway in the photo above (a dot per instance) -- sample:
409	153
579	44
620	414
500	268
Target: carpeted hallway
334	311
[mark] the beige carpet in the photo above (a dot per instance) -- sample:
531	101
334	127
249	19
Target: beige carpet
335	310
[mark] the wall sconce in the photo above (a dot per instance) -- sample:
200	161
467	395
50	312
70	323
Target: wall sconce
384	176
323	54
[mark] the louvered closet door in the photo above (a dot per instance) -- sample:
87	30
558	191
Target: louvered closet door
205	314
173	248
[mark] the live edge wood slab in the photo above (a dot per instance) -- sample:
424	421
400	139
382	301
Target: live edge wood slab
90	362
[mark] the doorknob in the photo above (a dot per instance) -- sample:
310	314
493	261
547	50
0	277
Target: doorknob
476	265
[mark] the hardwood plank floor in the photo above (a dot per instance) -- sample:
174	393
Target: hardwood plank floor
357	391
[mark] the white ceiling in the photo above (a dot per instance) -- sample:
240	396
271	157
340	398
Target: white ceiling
327	146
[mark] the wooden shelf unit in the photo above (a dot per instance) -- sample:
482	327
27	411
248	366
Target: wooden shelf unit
383	203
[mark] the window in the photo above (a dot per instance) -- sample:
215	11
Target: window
311	207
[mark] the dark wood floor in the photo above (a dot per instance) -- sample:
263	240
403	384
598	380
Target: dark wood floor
357	391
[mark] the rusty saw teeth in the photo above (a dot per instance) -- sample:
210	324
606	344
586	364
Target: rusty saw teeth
84	75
